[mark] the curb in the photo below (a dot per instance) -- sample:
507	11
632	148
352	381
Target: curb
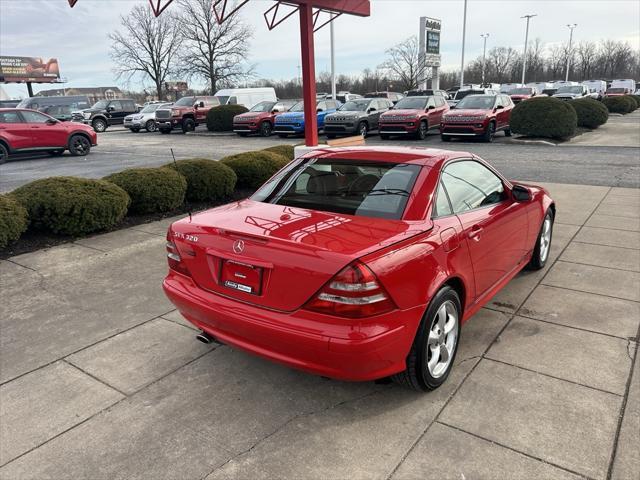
213	134
516	141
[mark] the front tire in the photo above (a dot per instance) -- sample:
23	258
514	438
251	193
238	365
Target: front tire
434	349
489	133
265	129
99	125
4	154
79	145
423	128
363	129
188	125
150	126
541	251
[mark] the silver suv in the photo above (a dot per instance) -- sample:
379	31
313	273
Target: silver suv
145	118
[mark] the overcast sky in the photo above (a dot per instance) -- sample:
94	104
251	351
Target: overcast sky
78	37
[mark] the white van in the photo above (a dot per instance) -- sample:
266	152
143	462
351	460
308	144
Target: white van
626	83
564	83
507	87
247	97
540	86
597	88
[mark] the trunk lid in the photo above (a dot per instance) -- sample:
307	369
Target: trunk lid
278	257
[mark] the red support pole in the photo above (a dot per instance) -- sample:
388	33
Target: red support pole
308	75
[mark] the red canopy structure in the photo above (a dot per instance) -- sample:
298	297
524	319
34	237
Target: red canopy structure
309	12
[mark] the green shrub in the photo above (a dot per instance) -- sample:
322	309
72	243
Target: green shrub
287	151
206	179
220	119
151	189
254	168
634	99
623	104
545	117
13	220
73	206
591	113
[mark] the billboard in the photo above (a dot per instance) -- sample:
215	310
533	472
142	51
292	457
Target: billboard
29	69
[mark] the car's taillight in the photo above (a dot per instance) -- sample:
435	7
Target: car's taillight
354	293
174	259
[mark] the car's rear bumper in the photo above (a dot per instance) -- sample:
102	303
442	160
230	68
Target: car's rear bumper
337	348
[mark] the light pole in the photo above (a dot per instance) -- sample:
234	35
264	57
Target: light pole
571	27
464	36
333	61
526	43
484	54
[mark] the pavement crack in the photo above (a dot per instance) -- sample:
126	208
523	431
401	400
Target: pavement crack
290	421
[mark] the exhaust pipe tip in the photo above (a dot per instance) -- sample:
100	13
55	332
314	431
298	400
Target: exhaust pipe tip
205	338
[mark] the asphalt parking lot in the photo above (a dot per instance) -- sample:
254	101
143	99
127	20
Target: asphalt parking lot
591	159
102	379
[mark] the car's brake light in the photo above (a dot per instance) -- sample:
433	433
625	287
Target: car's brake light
173	257
354	293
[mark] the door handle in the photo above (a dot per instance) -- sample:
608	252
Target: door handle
475	232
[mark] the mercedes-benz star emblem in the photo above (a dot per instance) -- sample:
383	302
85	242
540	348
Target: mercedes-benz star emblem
238	246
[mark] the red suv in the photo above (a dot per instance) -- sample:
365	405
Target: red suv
478	116
413	116
27	131
260	118
186	114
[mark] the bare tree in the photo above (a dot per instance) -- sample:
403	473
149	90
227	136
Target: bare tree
587	55
404	65
215	53
500	61
147	47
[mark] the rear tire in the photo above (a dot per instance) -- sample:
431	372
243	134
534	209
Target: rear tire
507	132
433	352
541	251
150	126
265	129
99	125
79	145
4	154
188	125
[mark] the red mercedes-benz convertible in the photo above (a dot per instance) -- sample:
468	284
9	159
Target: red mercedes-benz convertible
359	263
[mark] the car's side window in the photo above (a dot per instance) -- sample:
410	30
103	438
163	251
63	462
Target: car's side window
34	117
116	106
10	117
431	102
471	185
442	205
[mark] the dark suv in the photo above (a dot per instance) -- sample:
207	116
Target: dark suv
106	113
358	116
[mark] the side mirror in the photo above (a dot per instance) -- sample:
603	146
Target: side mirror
110	109
371	110
431	107
319	110
51	121
521	194
499	107
275	110
201	104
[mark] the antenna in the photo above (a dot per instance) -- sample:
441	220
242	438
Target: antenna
186	202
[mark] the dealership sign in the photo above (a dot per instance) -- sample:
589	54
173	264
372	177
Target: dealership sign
29	69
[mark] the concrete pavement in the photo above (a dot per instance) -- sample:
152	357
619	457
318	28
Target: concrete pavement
102	378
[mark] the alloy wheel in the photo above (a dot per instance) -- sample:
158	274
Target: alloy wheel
442	340
150	126
545	239
80	145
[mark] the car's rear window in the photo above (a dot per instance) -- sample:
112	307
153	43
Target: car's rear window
352	187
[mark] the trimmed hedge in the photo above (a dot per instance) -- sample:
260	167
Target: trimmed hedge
591	113
287	151
73	206
545	117
635	100
220	119
206	179
623	104
254	168
13	220
151	189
